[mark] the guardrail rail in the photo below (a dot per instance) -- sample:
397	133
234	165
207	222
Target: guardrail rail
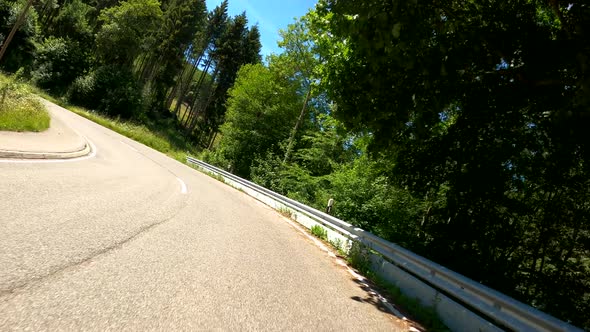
463	304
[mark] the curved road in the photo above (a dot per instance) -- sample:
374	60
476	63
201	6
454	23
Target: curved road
129	239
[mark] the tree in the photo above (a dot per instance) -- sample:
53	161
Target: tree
20	29
58	62
125	30
301	55
233	46
73	22
482	107
238	46
182	20
217	22
66	51
204	45
260	111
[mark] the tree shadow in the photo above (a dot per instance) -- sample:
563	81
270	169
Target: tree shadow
374	297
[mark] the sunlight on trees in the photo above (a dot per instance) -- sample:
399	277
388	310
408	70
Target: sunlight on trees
456	129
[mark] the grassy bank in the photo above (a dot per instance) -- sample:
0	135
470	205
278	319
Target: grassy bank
157	139
19	109
162	136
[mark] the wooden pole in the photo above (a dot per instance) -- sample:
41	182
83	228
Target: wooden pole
17	24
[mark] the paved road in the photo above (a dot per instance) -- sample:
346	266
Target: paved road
112	243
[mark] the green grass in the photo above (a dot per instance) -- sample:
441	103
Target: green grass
181	112
19	108
286	212
319	232
138	132
217	177
163	136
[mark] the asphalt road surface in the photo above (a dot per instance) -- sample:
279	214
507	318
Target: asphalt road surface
129	239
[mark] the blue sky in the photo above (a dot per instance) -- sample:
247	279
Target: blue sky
271	15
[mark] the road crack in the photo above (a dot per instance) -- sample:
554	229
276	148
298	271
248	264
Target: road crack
30	283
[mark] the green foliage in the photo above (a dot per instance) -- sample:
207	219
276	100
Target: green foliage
482	108
364	197
22	47
73	22
319	232
215	159
286	212
181	20
125	30
325	147
267	171
109	89
300	55
19	109
237	45
358	257
260	111
58	63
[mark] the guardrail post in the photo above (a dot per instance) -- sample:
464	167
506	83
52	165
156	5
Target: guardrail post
330	204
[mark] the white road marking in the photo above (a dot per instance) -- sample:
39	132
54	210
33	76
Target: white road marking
183	189
92	154
129	146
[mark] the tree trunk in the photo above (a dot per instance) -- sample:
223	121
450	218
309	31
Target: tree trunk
213	137
297	125
174	90
17	24
178	85
203	109
185	86
197	91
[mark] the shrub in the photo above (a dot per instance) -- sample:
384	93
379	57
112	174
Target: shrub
110	89
58	62
215	158
319	232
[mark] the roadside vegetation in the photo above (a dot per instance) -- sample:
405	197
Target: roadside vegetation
20	110
160	136
455	129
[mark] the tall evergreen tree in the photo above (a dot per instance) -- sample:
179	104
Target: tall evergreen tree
205	46
182	20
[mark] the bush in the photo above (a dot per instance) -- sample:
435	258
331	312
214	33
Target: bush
110	89
319	232
58	62
267	172
216	159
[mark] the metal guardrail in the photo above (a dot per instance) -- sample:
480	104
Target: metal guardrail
497	308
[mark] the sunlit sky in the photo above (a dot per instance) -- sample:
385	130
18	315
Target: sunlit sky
271	15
